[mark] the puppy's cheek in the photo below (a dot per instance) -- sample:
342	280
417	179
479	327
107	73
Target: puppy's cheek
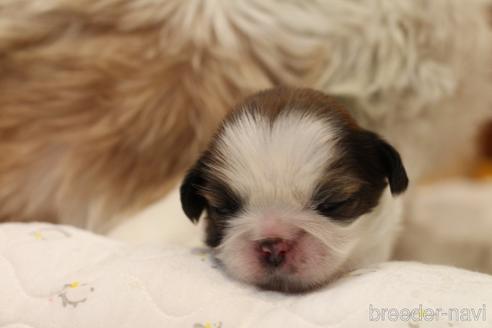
314	263
240	260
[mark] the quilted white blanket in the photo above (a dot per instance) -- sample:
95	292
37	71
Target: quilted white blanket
56	276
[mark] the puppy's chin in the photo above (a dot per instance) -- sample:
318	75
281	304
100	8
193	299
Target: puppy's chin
315	254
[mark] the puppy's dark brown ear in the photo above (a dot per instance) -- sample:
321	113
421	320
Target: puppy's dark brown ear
395	171
192	202
380	158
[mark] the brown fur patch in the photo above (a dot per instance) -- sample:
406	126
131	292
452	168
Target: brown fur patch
97	115
270	103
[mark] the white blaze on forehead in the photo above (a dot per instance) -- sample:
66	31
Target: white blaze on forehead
279	162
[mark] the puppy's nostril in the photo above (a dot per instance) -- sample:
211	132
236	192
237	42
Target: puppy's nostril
273	251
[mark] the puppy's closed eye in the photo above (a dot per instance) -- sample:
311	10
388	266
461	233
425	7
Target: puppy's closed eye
222	201
336	209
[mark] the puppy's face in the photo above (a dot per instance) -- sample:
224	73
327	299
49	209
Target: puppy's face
294	191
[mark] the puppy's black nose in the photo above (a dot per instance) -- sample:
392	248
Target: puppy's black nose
273	251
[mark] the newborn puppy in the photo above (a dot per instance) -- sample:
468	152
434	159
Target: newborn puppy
295	193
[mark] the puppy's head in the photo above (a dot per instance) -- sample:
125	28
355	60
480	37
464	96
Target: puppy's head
294	191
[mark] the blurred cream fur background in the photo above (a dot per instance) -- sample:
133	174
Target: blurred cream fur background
105	103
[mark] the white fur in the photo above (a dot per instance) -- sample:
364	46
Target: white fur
275	168
268	164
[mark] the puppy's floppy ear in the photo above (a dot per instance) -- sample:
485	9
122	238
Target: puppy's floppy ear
383	158
395	171
192	202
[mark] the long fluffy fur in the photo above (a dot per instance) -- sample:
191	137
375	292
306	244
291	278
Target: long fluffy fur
104	103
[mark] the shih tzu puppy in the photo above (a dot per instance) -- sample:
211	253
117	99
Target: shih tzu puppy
295	192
